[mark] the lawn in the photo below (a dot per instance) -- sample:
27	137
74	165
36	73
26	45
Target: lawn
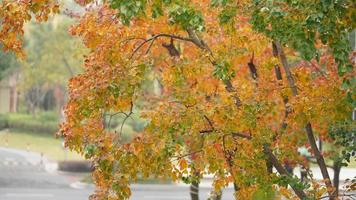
50	146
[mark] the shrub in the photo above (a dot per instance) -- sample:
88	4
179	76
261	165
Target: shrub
3	121
28	123
48	116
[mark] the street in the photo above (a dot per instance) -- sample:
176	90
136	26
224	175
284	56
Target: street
27	176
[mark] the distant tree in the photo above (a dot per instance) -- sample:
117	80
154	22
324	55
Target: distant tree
343	150
53	57
8	62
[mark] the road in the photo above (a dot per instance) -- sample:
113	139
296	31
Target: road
27	176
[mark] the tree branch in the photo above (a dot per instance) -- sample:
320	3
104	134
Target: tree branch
272	159
152	39
285	65
124	121
320	159
282	171
236	134
185	155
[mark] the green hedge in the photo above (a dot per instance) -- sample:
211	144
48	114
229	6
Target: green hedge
43	123
3	121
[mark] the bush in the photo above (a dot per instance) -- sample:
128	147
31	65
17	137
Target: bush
48	116
3	121
28	123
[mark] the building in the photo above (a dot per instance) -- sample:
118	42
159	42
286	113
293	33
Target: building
8	93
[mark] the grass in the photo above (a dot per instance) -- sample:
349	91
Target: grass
50	146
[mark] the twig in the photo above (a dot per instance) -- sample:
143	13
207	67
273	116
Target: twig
210	122
131	38
185	155
241	135
124	121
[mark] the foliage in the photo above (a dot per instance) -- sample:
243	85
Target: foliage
45	123
343	134
3	121
223	108
306	23
53	56
8	63
14	14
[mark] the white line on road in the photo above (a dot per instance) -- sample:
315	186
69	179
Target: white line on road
24	195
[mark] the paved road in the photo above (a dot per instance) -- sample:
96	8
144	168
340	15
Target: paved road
140	192
171	192
27	176
23	176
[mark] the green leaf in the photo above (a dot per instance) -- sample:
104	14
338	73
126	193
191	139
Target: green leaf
89	151
157	10
227	15
223	71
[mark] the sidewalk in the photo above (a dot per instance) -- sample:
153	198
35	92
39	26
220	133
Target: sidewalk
346	173
31	158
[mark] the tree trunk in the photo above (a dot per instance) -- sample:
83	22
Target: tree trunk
194	190
218	196
269	165
319	157
336	180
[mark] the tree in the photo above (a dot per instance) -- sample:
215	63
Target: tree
244	85
53	57
8	63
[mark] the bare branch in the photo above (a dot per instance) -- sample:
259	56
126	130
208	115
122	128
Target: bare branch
124	121
286	67
241	135
315	162
152	39
210	122
186	155
130	39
